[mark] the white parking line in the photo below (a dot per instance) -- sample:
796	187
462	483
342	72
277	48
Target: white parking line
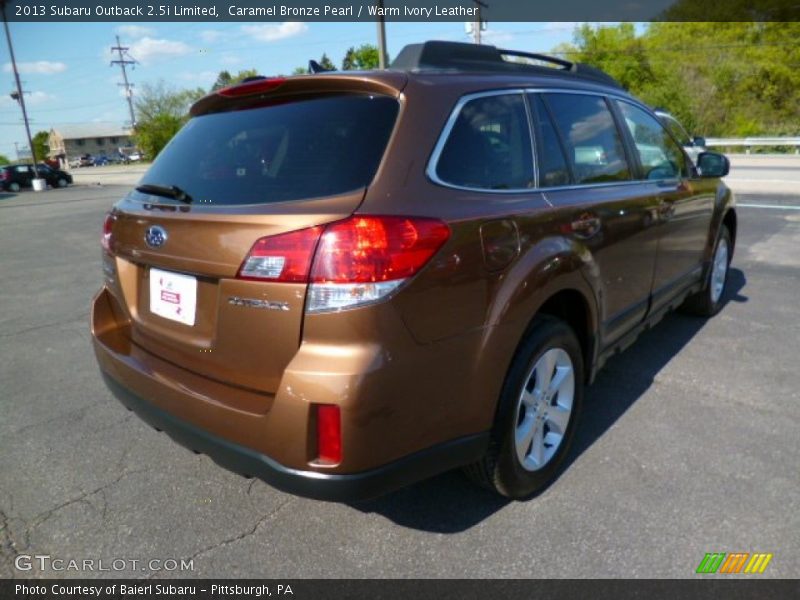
776	206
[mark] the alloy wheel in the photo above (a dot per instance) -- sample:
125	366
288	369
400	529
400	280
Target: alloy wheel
544	409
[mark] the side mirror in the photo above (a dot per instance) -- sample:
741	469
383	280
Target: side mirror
699	142
712	164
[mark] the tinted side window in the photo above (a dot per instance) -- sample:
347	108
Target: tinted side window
489	146
659	155
593	142
552	164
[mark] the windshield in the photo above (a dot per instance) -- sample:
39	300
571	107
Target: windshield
303	149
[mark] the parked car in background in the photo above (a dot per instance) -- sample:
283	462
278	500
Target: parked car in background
693	145
85	160
101	161
348	282
15	177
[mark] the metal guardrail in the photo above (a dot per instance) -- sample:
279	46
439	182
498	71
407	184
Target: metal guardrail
748	142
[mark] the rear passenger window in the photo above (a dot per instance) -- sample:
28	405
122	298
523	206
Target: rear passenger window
489	146
659	155
553	170
593	142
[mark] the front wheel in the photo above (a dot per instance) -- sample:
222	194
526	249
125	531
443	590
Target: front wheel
62	183
537	414
708	301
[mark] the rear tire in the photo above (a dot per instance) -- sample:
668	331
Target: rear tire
13	187
708	301
537	413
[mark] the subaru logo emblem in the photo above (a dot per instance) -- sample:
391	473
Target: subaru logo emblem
155	236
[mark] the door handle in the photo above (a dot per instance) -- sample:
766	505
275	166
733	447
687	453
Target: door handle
586	225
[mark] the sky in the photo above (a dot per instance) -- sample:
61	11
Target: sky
66	72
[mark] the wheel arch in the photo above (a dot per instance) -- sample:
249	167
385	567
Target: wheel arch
573	308
557	277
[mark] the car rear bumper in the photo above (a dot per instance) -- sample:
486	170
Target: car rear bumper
321	486
272	443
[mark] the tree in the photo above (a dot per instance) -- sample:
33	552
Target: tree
152	135
4	160
616	50
225	79
41	145
326	63
361	59
719	79
161	111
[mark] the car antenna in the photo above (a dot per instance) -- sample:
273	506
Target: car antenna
315	67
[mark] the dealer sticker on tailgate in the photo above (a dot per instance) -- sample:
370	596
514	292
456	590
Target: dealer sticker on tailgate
173	296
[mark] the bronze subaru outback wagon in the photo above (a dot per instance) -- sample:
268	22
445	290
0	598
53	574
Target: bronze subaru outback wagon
344	283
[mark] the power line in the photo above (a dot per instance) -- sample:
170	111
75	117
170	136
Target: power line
123	62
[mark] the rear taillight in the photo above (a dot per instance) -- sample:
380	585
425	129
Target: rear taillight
108	224
329	434
285	258
364	259
357	261
3	175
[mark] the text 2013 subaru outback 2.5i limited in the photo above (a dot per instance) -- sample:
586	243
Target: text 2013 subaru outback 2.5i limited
344	283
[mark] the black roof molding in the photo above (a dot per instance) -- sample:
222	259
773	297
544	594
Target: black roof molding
457	56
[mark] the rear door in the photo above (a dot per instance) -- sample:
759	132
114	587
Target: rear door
684	213
598	201
245	175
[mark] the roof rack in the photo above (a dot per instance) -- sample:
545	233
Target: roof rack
457	56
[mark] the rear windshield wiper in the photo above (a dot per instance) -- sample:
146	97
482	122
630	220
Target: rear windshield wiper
168	191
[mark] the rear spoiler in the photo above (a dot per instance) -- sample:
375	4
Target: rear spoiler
258	90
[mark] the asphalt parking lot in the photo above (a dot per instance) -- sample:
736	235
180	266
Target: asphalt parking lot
689	444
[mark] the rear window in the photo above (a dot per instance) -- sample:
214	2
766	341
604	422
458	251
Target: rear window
303	149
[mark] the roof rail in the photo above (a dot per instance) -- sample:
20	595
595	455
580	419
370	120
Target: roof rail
457	56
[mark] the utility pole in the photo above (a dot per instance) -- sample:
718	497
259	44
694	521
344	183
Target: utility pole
123	62
476	27
20	96
382	55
